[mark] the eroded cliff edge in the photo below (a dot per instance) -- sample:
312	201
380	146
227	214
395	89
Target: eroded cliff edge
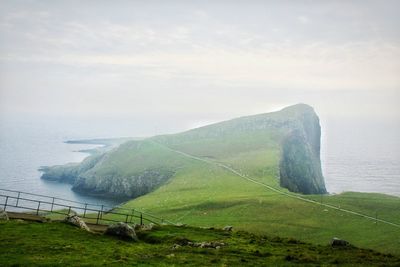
300	164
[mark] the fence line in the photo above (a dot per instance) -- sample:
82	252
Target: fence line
279	191
94	212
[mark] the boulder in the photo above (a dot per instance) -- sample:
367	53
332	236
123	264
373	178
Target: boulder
76	221
147	227
144	227
337	242
228	228
3	215
122	230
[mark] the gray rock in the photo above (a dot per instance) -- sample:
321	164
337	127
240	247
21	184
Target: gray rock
75	220
300	164
122	230
3	215
175	246
212	244
337	242
228	228
144	227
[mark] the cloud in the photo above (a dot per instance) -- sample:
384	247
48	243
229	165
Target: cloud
317	66
240	55
303	19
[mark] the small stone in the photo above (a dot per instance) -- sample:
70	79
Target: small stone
228	228
176	246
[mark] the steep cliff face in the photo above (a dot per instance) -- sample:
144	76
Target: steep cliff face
114	185
133	169
300	165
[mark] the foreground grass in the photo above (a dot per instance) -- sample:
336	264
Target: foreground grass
23	243
206	195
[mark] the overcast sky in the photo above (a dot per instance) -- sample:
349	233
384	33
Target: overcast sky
193	62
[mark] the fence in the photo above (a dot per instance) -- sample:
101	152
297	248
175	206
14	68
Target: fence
93	213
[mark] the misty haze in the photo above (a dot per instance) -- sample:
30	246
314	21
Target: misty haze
200	133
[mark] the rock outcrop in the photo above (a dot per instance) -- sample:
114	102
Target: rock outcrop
115	185
300	165
228	228
337	242
76	221
85	177
122	230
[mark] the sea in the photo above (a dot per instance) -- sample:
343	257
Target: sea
356	156
361	155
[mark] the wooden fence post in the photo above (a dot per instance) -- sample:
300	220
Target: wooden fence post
19	193
52	205
98	216
141	219
38	207
5	204
133	211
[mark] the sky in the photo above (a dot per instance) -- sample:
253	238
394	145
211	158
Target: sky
172	65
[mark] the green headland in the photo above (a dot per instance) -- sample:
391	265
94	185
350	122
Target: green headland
256	173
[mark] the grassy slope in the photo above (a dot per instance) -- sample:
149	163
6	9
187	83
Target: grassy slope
50	244
204	194
207	196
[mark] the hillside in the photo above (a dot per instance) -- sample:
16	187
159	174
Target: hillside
53	244
285	142
232	173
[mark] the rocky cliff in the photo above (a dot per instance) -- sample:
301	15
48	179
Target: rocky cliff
131	170
300	165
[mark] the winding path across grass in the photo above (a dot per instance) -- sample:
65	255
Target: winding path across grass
230	169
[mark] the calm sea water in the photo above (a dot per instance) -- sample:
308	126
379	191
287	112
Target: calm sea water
26	145
355	156
361	156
